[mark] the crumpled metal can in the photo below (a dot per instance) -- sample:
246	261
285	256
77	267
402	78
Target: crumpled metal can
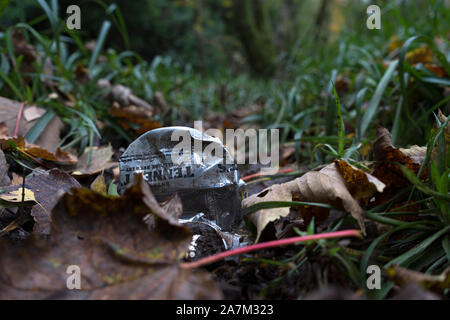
208	184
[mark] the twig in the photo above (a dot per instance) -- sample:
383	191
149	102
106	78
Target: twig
269	244
19	116
256	175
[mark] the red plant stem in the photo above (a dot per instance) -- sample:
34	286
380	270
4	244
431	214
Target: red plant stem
268	244
19	115
256	175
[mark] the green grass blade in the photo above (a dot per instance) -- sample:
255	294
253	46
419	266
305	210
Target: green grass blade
341	127
100	41
39	126
422	186
375	101
418	249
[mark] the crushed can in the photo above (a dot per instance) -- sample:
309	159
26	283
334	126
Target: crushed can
207	183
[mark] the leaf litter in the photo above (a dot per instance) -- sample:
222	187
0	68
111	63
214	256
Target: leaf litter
119	256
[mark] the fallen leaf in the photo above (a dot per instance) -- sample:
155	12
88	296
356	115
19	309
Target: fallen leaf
438	71
394	43
134	118
359	183
4	179
47	187
50	139
81	73
5	143
60	157
33	113
261	218
287	154
3	130
9	110
38	154
118	256
328	186
415	153
386	155
17	195
16	179
419	55
99	185
27	51
325	186
100	160
413	291
402	276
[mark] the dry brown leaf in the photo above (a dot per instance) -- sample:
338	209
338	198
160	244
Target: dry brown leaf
328	186
386	154
18	141
9	109
386	170
82	73
415	153
261	218
100	160
4	132
29	56
16	179
33	113
60	157
46	187
439	71
360	184
39	154
4	178
50	139
27	51
402	276
130	116
119	257
325	186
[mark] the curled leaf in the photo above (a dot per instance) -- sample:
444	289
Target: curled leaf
403	276
327	186
360	184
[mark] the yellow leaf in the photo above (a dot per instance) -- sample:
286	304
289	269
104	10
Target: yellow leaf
16	196
419	55
99	185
